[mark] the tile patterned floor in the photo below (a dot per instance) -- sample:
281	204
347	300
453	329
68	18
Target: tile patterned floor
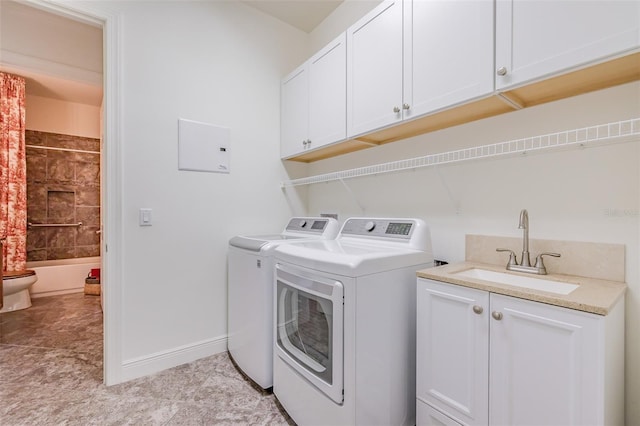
51	374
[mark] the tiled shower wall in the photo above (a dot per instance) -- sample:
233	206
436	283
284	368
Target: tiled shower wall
62	187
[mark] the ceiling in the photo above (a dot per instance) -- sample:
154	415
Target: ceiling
61	58
302	14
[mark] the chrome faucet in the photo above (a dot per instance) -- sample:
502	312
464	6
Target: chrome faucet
524	225
525	263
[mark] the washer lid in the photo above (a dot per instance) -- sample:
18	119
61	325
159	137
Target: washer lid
351	259
257	242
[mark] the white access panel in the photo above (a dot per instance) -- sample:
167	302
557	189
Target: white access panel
203	147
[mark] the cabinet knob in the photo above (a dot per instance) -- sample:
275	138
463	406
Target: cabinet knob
496	315
405	106
396	110
502	71
477	309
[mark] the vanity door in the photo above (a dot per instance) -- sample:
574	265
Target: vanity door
542	356
452	352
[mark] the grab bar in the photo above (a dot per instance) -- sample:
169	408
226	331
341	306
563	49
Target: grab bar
49	225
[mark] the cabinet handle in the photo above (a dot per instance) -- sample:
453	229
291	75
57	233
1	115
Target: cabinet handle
496	315
396	110
477	309
502	71
405	106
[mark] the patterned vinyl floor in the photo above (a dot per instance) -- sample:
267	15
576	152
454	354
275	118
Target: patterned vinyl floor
51	374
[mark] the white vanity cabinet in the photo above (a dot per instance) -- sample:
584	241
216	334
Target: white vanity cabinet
536	39
409	58
313	96
486	358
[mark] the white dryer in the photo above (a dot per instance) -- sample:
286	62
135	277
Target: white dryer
250	293
344	352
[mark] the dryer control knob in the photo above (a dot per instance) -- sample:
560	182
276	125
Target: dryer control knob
369	226
302	223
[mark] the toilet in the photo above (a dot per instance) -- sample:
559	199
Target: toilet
15	287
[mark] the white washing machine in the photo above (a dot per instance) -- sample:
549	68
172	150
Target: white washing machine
250	293
344	352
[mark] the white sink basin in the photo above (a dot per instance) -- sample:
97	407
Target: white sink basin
533	283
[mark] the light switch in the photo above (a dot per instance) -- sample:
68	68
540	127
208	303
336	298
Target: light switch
145	217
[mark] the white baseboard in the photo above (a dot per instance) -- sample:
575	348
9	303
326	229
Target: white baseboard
57	292
144	366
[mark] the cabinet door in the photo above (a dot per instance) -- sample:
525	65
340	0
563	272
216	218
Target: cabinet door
453	350
328	94
426	415
294	112
448	53
543	356
537	38
374	69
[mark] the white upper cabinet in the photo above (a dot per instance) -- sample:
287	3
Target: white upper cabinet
413	66
407	59
448	53
535	39
374	69
328	94
314	97
294	112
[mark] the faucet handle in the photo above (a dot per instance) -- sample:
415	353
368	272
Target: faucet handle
512	257
540	263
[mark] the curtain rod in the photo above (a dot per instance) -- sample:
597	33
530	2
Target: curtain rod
62	149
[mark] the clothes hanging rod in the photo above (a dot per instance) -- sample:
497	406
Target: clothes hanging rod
50	148
53	225
593	135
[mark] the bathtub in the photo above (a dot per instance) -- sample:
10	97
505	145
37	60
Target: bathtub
61	276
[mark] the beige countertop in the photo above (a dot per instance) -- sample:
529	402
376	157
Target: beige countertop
593	295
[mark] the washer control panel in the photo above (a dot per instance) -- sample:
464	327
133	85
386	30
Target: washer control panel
306	224
388	228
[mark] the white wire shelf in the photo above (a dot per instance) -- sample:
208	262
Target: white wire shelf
626	130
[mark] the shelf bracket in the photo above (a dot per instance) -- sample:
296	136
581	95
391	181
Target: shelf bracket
510	100
353	196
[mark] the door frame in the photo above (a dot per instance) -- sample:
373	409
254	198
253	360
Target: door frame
112	183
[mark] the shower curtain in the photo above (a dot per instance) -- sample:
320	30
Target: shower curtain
13	172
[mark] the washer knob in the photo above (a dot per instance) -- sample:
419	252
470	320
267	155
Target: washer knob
302	223
369	226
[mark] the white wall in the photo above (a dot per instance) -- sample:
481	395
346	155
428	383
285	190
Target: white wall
590	194
214	62
339	20
67	118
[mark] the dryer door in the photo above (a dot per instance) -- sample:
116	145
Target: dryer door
309	324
